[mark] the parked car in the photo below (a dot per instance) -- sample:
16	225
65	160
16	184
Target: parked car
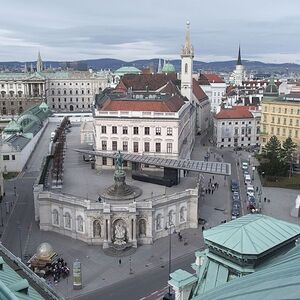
248	179
251	199
246	172
236	203
235	197
234	185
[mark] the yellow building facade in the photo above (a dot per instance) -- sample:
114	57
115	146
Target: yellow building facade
281	117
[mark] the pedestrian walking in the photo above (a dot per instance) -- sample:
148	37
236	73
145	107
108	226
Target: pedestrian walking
120	261
209	191
213	177
209	180
205	191
212	191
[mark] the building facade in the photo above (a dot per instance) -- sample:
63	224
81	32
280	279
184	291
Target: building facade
281	117
215	88
238	126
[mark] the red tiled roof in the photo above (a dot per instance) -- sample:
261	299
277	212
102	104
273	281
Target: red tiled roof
142	82
170	88
198	92
214	78
236	112
173	104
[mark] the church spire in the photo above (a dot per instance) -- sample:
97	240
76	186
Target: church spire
159	68
39	63
187	49
239	60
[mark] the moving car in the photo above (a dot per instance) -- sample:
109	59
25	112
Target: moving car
234	185
248	179
244	165
250	190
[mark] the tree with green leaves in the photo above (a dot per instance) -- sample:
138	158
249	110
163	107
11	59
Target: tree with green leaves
273	164
288	150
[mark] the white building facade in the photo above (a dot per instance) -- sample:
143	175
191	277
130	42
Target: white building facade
238	126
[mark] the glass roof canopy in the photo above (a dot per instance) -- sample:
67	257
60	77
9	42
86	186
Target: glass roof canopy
217	168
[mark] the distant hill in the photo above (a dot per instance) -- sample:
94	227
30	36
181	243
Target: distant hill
113	64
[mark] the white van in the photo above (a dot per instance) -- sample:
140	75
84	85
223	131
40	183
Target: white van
248	179
52	135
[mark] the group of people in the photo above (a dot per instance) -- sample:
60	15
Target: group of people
211	186
58	269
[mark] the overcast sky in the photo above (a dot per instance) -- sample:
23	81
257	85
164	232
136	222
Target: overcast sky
268	30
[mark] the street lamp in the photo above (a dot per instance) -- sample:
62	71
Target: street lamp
169	224
20	240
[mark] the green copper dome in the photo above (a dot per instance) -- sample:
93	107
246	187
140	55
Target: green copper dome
168	68
127	70
271	89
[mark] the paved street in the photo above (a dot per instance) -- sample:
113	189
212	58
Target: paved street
103	278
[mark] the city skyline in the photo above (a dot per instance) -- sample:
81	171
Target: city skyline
97	30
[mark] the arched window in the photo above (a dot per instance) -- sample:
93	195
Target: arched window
80	224
67	220
158	221
55	219
3	94
71	107
20	93
183	214
11	93
185	68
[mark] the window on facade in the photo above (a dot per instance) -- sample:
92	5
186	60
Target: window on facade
298	112
278	130
292	111
104	145
243	131
229	123
52	92
278	121
125	130
266	109
291	121
70	92
290	133
114	145
136	146
236	131
242	139
284	121
114	130
135	130
279	109
296	133
249	130
146	147
169	147
65	92
147	130
273	120
222	140
229	140
236	123
285	110
125	146
283	131
223	123
273	109
157	130
297	122
258	130
169	131
104	161
5	157
13	157
157	147
103	129
82	92
186	68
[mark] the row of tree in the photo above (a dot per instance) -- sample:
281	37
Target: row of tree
277	158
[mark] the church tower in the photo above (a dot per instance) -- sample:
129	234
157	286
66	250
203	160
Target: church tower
239	73
39	63
187	55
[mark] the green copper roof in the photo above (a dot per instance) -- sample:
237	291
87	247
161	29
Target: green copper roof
168	68
13	126
181	278
251	234
127	70
277	281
